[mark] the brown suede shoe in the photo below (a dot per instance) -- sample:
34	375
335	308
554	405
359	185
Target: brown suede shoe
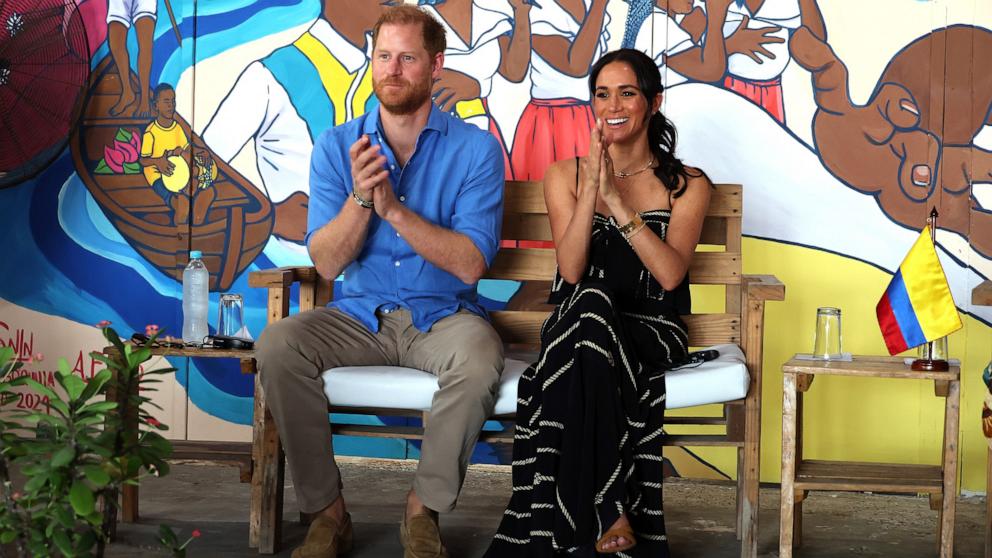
421	538
326	539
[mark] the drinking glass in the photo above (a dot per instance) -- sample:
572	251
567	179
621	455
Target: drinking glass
827	340
231	318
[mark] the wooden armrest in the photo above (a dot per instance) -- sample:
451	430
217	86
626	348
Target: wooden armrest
982	295
282	276
764	287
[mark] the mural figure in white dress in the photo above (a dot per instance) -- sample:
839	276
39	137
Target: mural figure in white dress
485	37
285	100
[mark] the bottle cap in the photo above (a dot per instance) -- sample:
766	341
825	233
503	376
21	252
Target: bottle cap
195	254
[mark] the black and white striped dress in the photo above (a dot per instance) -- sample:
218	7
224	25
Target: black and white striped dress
590	411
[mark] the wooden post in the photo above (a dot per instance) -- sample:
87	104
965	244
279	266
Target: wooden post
950	465
268	472
788	464
797	506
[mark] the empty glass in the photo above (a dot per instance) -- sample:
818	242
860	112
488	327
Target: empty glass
230	319
827	340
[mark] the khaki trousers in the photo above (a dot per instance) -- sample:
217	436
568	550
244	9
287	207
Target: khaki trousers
462	350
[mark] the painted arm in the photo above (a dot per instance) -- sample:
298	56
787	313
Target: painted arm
812	18
709	62
694	24
514	49
828	73
574	58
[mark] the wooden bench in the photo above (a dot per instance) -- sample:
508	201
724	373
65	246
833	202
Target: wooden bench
525	218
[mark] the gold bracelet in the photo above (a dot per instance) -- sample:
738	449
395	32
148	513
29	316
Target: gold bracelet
367	204
631	234
634	223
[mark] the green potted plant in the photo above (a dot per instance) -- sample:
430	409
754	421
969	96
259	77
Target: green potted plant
75	455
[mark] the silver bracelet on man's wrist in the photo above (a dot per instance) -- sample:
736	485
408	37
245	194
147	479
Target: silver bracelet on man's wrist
367	204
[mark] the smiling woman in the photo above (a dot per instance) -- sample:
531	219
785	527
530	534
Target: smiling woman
624	243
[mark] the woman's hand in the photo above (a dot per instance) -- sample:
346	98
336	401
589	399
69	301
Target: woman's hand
592	165
607	187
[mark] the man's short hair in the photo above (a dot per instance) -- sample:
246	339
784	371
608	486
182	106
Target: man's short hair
432	31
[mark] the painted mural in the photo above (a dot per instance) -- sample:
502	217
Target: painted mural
196	121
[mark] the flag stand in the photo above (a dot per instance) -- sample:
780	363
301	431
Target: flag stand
928	363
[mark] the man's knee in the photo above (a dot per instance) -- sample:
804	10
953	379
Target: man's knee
476	361
273	346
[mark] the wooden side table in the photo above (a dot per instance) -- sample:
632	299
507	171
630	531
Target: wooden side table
240	453
982	296
800	475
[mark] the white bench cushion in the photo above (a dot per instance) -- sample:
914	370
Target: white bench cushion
395	387
716	381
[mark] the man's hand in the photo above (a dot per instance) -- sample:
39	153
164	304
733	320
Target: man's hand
386	204
368	167
751	42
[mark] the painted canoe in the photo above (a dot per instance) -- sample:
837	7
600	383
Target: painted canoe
237	224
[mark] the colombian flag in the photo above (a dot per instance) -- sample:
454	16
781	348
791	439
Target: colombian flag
917	306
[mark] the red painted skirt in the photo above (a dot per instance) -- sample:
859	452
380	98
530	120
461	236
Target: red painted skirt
765	94
550	130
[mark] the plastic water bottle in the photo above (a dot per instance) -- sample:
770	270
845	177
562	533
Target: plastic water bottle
196	299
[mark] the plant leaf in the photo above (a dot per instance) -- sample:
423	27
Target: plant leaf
74	386
63	543
95	384
167	536
27	381
96	475
81	498
63	457
101	407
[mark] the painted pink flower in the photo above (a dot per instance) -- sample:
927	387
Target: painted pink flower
135	141
114	159
129	151
102	324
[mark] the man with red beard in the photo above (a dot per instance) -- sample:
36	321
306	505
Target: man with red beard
406	201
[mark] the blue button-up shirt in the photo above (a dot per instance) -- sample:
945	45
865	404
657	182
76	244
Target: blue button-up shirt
454	179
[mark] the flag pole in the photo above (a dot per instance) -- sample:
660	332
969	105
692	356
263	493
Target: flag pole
928	363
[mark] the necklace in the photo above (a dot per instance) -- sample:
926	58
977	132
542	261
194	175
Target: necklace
622	174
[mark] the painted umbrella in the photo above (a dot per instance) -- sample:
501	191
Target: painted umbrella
44	67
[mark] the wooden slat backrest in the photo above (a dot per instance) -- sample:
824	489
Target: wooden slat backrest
525	218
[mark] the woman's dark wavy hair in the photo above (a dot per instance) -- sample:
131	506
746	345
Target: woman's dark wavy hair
661	131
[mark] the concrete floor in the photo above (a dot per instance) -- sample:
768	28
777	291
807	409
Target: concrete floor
700	517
